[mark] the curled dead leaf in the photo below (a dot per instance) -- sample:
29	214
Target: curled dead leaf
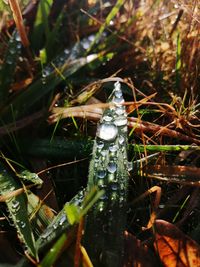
174	247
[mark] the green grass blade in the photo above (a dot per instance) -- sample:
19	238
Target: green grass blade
59	225
110	16
41	25
31	177
161	148
28	98
54	252
8	68
74	214
17	207
57	148
106	221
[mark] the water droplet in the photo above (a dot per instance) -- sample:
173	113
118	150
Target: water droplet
43	80
112	167
100	145
17	38
101	174
118	100
113	148
86	44
121	199
101	206
118	93
22	224
66	51
91	38
15	205
111	177
120	121
100	183
107	118
103	153
46	72
129	166
117	86
55	226
114	186
61	59
114	196
124	129
120	111
103	197
121	140
107	132
46	234
19	45
62	220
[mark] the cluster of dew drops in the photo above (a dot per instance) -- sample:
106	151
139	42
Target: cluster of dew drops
110	142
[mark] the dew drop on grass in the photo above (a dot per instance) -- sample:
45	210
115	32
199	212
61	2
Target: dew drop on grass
17	38
15	205
118	93
66	51
101	174
113	148
114	196
107	132
114	186
121	140
120	111
129	166
62	220
19	46
111	177
107	118
100	145
121	121
101	206
118	100
101	183
103	197
112	167
22	224
46	234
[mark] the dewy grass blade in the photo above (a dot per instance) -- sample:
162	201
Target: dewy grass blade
106	221
8	68
33	94
17	207
73	215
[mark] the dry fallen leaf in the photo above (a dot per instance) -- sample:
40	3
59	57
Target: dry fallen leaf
174	247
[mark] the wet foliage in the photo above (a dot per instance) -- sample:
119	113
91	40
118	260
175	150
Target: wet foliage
99	127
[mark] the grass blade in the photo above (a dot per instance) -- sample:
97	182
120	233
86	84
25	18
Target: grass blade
17	207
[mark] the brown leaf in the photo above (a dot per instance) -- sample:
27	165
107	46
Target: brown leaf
174	247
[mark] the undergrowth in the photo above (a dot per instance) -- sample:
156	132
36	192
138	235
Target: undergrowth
59	61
